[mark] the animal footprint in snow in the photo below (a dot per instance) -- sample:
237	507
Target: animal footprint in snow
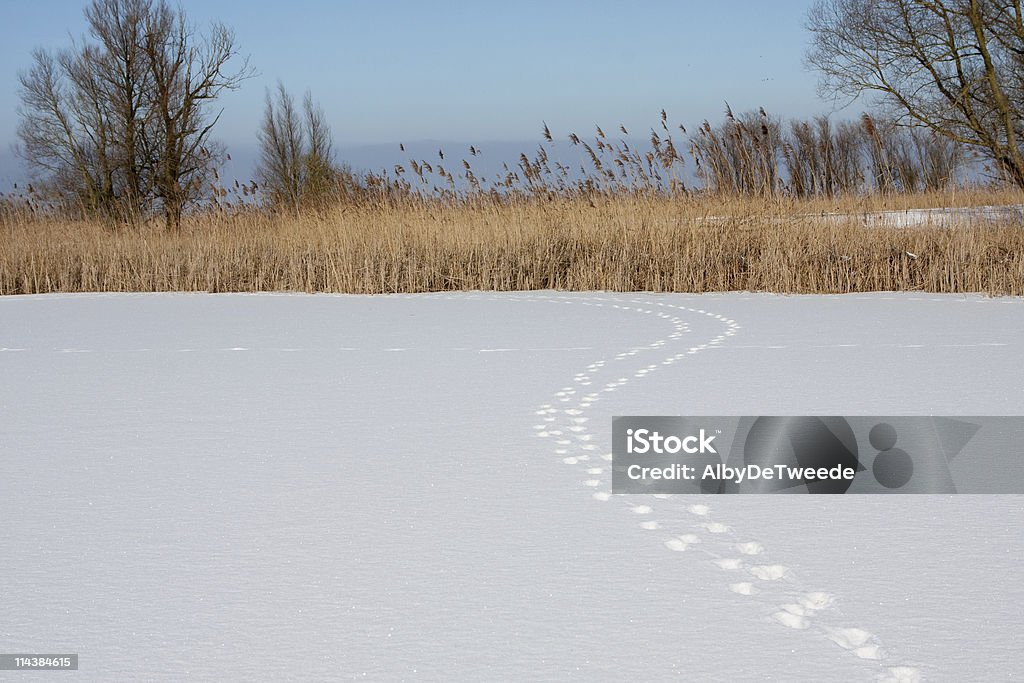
816	601
849	638
870	651
752	548
902	674
717	528
681	543
699	510
856	640
798	610
743	588
729	563
769	572
650	526
641	509
791	620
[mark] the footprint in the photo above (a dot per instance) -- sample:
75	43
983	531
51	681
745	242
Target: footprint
791	620
902	674
849	638
699	510
602	496
676	544
641	509
816	601
869	652
744	588
729	563
717	528
752	548
650	526
769	572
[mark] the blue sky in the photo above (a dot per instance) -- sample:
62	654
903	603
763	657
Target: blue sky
478	71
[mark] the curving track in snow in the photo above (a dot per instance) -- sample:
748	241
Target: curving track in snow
416	487
748	566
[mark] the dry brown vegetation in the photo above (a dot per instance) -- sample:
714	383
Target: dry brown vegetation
690	243
117	130
774	209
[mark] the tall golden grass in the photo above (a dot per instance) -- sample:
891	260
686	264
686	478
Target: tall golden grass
691	243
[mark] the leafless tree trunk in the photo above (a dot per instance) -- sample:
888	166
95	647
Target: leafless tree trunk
120	123
955	67
296	165
188	73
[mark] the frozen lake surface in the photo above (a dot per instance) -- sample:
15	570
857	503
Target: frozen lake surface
942	217
274	487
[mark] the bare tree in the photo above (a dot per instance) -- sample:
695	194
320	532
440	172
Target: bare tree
280	170
955	67
296	164
822	158
189	72
321	172
119	123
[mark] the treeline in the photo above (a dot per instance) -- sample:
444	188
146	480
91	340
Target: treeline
120	124
751	154
120	127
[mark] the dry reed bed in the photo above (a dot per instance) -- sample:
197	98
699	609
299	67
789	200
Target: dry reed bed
617	244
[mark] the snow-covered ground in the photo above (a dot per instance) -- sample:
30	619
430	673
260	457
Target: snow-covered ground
938	217
260	487
943	217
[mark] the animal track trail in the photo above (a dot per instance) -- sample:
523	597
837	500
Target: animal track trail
748	569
